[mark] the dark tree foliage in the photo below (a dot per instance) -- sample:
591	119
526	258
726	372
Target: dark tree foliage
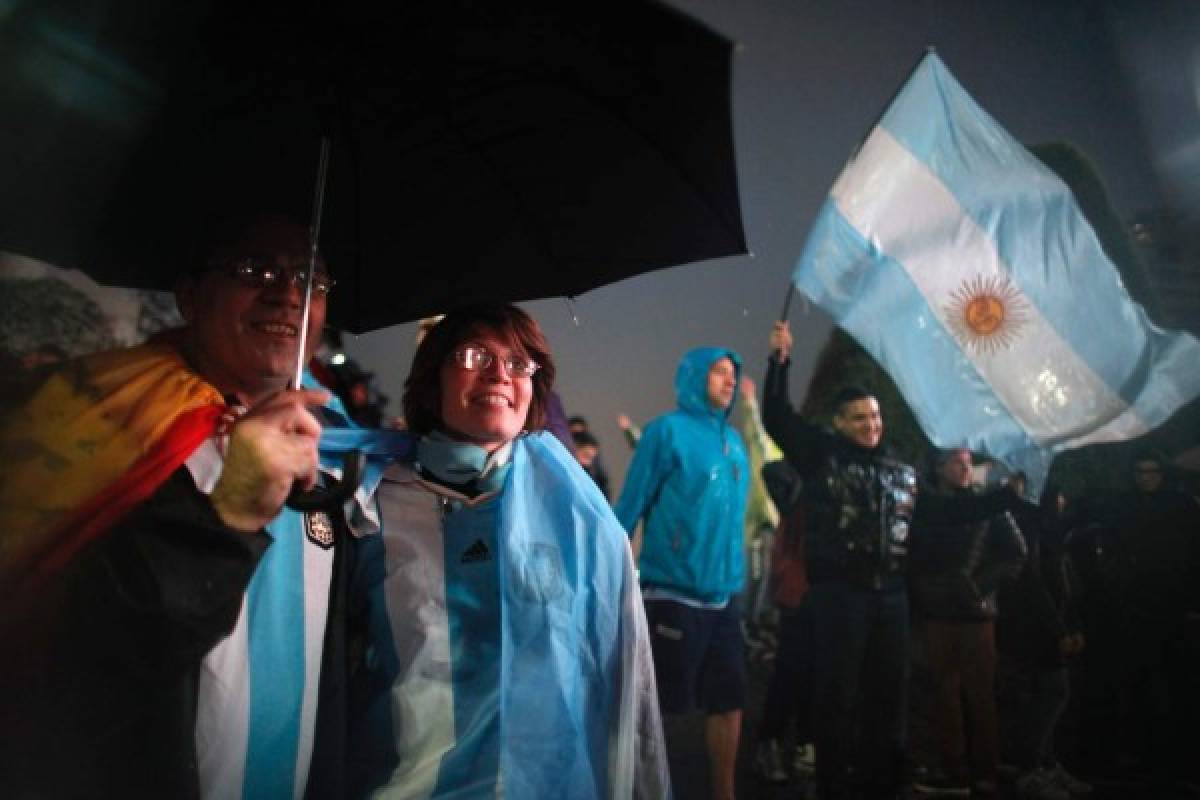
1081	176
1102	468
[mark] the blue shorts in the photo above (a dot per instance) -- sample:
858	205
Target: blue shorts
699	656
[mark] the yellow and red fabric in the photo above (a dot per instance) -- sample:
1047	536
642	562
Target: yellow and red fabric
96	439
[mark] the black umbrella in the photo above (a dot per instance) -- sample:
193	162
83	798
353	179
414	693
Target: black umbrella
480	150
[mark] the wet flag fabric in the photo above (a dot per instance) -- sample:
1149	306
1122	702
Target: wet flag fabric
965	267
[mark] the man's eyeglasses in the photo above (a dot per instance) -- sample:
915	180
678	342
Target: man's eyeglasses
473	358
259	274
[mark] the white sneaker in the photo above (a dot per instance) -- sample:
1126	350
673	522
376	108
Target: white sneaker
770	764
1039	784
1069	781
804	760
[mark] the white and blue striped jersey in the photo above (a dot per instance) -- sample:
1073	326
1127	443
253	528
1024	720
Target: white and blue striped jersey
257	694
508	652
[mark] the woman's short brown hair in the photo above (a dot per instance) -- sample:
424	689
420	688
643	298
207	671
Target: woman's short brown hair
423	388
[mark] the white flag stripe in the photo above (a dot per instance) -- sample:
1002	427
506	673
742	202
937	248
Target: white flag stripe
896	203
1125	426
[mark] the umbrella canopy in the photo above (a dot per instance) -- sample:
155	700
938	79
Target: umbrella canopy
480	151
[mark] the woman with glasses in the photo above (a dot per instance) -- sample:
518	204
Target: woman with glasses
507	650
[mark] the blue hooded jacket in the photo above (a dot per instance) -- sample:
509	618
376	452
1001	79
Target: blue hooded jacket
689	480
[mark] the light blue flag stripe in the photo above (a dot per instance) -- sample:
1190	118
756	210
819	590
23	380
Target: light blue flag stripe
941	208
561	561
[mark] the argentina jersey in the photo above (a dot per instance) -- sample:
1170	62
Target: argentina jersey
257	693
508	652
433	727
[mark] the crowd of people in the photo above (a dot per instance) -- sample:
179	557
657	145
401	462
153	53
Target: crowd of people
202	604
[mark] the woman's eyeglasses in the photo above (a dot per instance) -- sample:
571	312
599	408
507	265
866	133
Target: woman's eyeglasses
473	358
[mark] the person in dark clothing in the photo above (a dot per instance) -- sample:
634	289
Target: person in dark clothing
556	422
1139	563
860	502
953	574
587	453
788	705
1098	551
1037	631
1157	527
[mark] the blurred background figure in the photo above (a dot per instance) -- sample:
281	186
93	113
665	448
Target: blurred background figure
1037	632
587	453
762	518
353	385
631	431
1138	562
954	570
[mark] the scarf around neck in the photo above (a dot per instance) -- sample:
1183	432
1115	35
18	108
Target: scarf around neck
462	466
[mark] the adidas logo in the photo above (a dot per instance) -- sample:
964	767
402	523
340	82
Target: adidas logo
475	553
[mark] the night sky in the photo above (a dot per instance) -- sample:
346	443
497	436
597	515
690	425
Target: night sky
810	79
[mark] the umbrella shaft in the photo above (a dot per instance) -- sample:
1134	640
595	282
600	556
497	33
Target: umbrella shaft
314	237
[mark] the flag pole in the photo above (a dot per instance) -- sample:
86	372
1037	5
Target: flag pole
787	302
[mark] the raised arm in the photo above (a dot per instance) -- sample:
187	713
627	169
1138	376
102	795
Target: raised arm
941	509
801	441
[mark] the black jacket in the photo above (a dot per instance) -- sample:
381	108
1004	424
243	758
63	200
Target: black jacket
955	569
1038	605
860	503
98	688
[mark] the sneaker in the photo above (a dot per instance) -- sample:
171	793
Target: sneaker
1068	781
770	763
1039	784
937	784
804	760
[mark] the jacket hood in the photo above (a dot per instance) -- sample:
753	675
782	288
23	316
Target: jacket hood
691	380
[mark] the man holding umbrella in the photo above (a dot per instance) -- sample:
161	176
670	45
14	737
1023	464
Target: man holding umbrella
178	611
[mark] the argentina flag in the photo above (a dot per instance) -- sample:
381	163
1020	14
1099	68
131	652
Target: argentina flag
965	267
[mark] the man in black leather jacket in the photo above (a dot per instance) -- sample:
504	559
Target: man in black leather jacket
860	503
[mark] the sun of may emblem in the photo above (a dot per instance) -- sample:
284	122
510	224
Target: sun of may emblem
987	313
